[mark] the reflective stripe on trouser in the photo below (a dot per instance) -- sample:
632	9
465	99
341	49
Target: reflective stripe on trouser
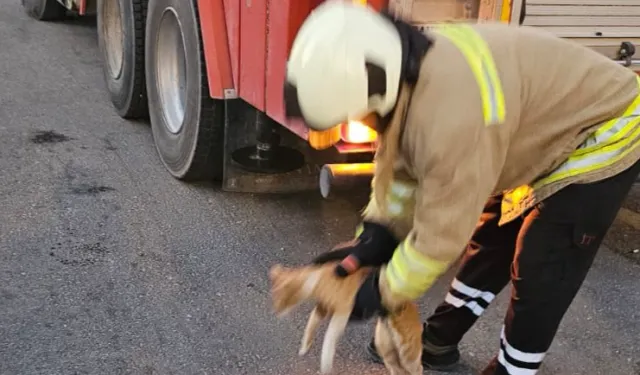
480	60
474	299
483	273
611	142
547	264
410	273
517	362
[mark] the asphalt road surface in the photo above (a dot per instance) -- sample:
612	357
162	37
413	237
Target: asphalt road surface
109	266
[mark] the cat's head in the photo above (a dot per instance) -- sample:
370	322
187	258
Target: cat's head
290	287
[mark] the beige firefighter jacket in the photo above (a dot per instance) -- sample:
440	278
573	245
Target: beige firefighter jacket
568	115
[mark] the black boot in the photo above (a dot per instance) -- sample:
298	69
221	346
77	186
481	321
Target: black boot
435	355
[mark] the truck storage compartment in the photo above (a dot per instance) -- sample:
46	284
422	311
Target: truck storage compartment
429	11
426	12
601	25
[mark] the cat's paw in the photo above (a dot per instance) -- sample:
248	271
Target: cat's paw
325	367
304	349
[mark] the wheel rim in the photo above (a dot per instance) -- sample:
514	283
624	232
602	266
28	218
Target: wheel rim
113	37
171	70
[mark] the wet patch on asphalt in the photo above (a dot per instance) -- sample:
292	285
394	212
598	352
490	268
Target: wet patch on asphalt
49	136
76	178
108	145
6	295
85	212
80	255
88	189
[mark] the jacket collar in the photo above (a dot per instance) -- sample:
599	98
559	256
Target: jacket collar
415	45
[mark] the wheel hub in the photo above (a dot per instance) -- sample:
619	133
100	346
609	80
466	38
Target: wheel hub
113	37
171	70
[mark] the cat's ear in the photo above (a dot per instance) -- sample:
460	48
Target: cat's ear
275	271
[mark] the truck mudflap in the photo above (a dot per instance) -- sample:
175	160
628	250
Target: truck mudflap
240	136
610	27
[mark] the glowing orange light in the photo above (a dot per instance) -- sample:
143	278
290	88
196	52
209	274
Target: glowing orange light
357	132
321	140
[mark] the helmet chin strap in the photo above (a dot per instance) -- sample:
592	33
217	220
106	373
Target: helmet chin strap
415	45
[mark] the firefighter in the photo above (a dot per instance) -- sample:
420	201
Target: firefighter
534	135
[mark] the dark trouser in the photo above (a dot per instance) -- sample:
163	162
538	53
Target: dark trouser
546	255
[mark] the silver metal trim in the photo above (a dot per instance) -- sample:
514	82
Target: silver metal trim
627	62
230	94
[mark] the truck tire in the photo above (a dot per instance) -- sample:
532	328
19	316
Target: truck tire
121	26
187	125
44	10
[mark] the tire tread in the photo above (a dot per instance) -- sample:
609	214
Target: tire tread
208	158
138	107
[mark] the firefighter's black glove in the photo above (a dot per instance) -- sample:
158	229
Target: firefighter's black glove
372	248
368	302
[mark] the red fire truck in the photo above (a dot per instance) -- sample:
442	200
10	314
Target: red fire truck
209	75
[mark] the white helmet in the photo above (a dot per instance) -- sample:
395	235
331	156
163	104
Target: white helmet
344	64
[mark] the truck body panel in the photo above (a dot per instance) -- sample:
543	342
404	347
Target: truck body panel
232	10
215	35
253	52
249	41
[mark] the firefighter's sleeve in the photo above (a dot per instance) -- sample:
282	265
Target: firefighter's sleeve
398	213
372	211
455	179
398	217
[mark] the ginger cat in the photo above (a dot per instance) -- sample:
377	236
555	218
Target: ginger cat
398	337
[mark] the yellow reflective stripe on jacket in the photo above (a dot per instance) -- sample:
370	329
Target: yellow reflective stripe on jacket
479	57
410	273
610	143
359	230
611	131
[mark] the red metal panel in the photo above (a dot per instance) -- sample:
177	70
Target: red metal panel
216	49
232	16
285	18
253	50
378	4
